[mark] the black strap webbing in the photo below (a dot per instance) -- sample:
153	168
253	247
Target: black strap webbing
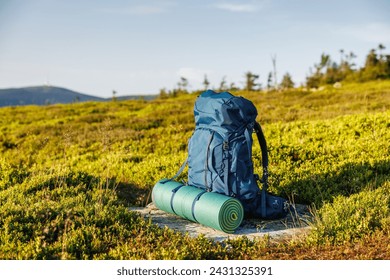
264	158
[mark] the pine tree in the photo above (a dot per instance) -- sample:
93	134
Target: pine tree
206	82
182	85
251	83
269	81
287	81
223	85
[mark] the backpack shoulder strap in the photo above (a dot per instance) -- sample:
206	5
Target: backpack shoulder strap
181	169
264	159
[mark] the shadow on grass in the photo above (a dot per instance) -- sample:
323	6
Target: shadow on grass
127	194
348	180
131	195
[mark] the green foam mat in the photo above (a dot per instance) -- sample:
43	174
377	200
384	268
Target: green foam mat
214	210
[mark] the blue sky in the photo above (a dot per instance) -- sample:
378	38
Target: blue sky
140	47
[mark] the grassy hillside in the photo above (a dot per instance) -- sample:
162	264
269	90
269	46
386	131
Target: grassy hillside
69	172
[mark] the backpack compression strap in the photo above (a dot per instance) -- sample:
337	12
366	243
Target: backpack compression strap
264	159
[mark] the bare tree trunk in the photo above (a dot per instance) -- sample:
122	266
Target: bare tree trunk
273	57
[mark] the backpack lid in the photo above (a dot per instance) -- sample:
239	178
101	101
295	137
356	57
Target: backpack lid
223	110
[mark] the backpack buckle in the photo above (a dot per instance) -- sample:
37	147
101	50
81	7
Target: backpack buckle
225	145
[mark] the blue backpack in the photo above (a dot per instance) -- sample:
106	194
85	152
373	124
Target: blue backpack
220	154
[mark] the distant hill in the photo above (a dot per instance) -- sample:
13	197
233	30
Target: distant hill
42	95
133	97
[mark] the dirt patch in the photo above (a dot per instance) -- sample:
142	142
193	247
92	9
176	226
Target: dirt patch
295	224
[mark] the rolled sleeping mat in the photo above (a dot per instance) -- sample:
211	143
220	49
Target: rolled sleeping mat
162	194
214	210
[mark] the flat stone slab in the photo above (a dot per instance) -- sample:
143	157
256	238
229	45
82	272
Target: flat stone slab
295	224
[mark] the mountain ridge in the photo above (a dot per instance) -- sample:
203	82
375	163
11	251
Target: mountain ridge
46	95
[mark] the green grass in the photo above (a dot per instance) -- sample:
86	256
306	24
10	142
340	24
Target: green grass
68	173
